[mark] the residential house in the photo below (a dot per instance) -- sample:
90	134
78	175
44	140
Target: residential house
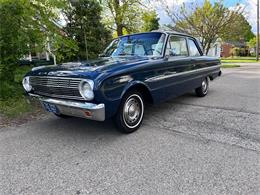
227	49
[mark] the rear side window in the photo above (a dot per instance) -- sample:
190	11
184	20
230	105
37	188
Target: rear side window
177	46
193	48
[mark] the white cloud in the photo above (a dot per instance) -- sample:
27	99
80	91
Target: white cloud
159	5
250	13
172	3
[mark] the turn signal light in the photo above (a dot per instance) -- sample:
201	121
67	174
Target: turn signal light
88	113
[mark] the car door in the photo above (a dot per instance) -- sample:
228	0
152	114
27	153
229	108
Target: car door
177	66
195	54
197	60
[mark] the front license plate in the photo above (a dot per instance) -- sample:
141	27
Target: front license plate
50	107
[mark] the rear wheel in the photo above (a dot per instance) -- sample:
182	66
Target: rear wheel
203	89
131	111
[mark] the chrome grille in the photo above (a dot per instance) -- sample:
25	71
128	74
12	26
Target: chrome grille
56	87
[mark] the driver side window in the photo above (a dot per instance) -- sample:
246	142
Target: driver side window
177	46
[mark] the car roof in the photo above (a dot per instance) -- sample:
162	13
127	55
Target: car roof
161	31
173	33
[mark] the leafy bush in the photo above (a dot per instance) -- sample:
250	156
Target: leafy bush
13	89
10	90
20	73
237	51
12	101
234	51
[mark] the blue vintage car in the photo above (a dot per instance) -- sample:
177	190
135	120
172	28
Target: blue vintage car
134	70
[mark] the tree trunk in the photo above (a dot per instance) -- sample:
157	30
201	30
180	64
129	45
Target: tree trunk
208	44
119	29
118	19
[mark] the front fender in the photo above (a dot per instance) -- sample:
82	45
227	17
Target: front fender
113	89
132	84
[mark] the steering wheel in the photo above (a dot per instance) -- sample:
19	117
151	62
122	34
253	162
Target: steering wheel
151	49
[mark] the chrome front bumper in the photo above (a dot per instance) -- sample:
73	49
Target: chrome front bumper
73	108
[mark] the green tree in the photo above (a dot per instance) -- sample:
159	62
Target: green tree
151	21
238	30
252	42
84	25
25	26
126	15
207	22
64	48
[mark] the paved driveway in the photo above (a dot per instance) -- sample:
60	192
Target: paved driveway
192	145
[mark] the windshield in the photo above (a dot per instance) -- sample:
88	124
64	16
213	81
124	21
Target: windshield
146	44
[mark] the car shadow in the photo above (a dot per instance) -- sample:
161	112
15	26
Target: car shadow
73	128
83	128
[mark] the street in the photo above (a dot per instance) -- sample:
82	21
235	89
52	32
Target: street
188	145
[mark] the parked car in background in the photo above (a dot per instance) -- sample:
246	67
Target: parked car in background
134	70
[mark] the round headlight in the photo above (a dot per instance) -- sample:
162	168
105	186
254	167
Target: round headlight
86	89
26	84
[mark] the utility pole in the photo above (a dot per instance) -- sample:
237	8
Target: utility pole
257	33
86	44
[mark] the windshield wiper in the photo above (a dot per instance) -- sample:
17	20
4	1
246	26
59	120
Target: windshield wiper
123	54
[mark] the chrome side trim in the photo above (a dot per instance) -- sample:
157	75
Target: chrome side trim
74	108
174	74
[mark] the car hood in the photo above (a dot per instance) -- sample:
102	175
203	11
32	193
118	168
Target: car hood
89	69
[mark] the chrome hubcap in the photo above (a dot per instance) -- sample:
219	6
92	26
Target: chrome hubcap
204	86
133	111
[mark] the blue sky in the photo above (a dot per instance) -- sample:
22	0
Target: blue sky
232	2
248	5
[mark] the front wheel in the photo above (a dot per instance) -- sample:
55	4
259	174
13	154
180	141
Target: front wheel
130	113
203	89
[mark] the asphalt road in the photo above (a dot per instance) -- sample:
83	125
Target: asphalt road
188	145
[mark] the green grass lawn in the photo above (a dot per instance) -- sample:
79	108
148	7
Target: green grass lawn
15	107
230	65
16	104
238	59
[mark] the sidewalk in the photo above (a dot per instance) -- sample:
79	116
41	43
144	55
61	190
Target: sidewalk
241	63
